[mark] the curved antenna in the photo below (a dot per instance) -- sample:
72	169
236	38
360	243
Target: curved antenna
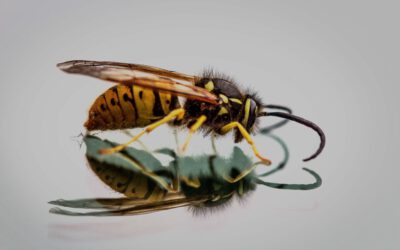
278	124
283	163
314	185
305	123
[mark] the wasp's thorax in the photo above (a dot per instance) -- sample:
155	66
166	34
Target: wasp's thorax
235	106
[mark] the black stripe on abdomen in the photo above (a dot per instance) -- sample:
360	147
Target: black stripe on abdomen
157	108
133	102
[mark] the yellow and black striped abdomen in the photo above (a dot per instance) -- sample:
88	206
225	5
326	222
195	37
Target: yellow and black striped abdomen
123	107
130	183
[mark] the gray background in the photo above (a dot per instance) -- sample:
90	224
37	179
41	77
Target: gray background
334	62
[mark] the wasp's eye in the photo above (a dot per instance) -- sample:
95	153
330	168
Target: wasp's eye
249	113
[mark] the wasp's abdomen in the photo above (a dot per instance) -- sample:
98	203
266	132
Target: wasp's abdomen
122	107
130	183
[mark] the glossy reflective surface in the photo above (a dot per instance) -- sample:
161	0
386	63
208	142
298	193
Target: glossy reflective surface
204	183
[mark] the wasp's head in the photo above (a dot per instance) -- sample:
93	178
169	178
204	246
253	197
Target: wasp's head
252	110
249	114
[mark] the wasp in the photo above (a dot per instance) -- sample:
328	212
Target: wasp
147	97
149	186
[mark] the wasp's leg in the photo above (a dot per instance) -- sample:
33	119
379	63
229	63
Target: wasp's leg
244	173
176	138
213	145
142	145
193	129
195	182
248	138
177	113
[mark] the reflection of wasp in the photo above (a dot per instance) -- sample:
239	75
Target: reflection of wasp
203	183
148	96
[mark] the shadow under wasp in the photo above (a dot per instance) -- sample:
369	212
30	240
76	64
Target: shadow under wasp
147	96
203	183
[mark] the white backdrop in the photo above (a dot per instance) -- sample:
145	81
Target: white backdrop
335	63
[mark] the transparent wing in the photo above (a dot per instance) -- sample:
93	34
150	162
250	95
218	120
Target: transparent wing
140	208
141	75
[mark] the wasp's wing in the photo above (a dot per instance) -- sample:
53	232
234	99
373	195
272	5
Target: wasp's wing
91	67
112	203
137	209
141	75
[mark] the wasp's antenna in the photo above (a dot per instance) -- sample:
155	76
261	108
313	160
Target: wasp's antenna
316	184
283	163
278	124
305	123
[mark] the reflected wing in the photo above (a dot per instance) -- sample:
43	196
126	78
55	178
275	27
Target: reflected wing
137	209
112	203
141	75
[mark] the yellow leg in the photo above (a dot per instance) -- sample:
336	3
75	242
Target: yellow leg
214	147
177	113
244	173
193	129
246	136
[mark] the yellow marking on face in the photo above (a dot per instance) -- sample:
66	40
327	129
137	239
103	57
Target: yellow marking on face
222	111
236	100
224	98
246	112
209	86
